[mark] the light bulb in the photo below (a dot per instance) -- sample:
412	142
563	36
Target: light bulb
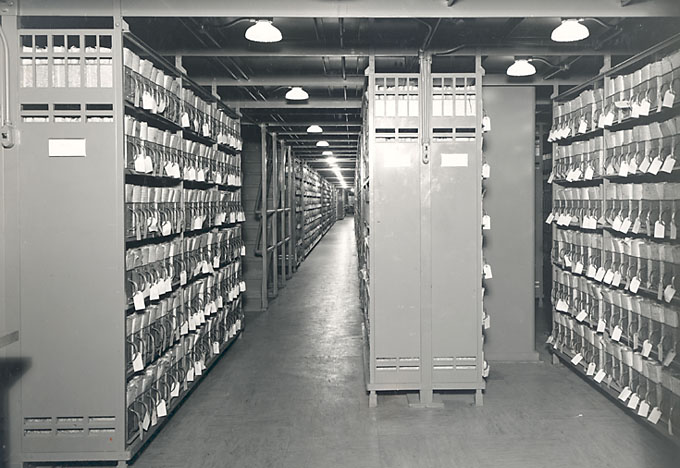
263	31
570	30
296	93
521	67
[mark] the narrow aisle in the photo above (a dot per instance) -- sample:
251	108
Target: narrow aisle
291	394
291	391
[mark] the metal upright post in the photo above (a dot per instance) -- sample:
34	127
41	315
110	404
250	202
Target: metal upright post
292	213
426	397
275	210
281	203
263	214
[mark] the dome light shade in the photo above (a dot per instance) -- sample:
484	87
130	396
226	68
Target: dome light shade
327	153
314	129
296	93
331	160
322	143
263	31
521	67
571	30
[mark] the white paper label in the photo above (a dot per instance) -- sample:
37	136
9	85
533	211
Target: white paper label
668	165
582	316
668	293
549	219
486	222
625	225
576	359
655	166
161	409
591	271
591	369
654	415
646	348
659	230
216	348
138	301
601	326
616	333
174	391
669	358
668	99
578	269
599	276
589	173
190	375
137	362
625	394
634	285
608	277
633	402
486	171
599	377
623	169
243	251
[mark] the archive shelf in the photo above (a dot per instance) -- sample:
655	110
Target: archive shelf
615	246
145	188
421	291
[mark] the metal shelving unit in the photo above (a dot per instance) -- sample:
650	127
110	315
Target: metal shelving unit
615	249
421	162
136	171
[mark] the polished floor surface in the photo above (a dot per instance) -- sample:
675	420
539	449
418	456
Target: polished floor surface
291	393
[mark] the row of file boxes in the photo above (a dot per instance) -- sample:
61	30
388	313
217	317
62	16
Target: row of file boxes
149	88
153	392
161	153
647	387
208	208
577	206
152	211
634	265
649	89
645	209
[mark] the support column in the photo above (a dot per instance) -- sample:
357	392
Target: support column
263	215
281	203
274	215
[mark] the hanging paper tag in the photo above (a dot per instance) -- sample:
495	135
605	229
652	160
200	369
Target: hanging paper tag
174	391
668	165
486	323
220	302
576	359
148	102
567	261
486	171
549	340
137	362
645	106
668	358
551	177
161	409
243	251
589	173
185	120
616	225
668	99
659	230
591	369
655	166
562	306
216	348
582	316
617	279
608	277
487	271
138	301
148	165
609	119
550	218
668	293
616	333
206	130
146	422
646	348
625	394
625	225
591	271
623	169
583	126
599	276
242	286
634	285
599	377
182	278
601	326
578	269
185	329
153	293
166	228
654	415
633	402
190	375
216	261
140	163
199	367
486	222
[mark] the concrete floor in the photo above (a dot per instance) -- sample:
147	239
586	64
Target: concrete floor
291	394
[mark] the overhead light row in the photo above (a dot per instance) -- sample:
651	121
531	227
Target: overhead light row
569	30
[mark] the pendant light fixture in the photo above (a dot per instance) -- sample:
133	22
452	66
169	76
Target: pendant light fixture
263	31
521	67
327	153
296	93
323	143
314	129
570	30
331	160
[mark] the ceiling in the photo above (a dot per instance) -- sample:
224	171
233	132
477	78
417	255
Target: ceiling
328	56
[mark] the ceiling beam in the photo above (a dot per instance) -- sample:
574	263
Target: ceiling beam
303	132
302	50
307	81
362	9
306	123
316	103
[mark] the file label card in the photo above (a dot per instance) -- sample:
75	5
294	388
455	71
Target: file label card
67	147
454	159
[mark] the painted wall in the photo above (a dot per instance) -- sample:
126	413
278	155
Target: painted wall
509	201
